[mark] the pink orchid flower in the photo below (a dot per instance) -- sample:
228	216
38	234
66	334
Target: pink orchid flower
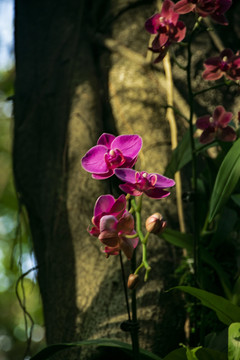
214	8
110	153
112	224
216	126
167	29
137	183
226	64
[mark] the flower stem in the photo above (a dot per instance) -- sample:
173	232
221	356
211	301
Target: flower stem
193	151
124	286
134	332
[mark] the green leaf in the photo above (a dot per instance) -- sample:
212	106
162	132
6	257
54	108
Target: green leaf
226	180
53	349
180	156
177	238
234	341
236	199
202	354
224	309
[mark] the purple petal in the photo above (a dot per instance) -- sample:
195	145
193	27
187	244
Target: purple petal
213	62
103	205
119	207
221	117
227	134
156	44
129	163
103	176
108	222
181	32
163	38
164	182
109	238
184	7
156	193
203	122
211	75
130	189
152	24
162	53
93	161
208	135
127	175
220	19
127	247
126	224
168	13
226	52
224	5
129	145
106	140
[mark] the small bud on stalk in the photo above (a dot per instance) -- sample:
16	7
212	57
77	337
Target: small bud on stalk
155	224
133	280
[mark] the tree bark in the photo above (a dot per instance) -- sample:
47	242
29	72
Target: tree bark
73	83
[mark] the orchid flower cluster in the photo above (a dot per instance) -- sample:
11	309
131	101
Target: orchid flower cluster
168	29
112	223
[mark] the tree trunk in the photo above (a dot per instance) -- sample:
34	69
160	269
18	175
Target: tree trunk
73	83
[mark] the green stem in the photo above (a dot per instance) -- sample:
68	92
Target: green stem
176	111
211	88
193	151
134	332
124	286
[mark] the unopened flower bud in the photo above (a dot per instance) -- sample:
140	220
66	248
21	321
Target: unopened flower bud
133	280
155	224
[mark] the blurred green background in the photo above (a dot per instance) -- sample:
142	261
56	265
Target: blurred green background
20	302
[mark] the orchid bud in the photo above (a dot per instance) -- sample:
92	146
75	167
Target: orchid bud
155	224
133	280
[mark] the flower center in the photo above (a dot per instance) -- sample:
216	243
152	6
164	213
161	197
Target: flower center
114	158
145	181
224	66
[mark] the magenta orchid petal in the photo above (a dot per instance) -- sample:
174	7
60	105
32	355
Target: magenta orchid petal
137	183
184	7
128	175
166	11
203	122
226	64
157	193
93	161
209	74
208	135
129	163
227	134
119	207
103	204
126	223
220	19
152	24
130	189
164	182
110	153
162	53
216	127
109	238
106	140
221	116
127	247
180	33
129	145
103	176
167	28
163	38
108	222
